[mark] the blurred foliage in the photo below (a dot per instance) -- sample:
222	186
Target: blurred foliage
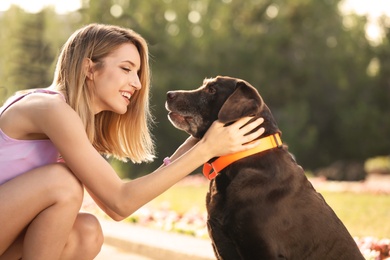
327	85
378	165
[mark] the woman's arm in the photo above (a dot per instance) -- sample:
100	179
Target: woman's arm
103	207
219	140
183	148
64	127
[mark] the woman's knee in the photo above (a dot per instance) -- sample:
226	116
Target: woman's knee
89	226
86	238
65	185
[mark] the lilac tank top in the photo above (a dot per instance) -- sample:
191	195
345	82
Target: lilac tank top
19	156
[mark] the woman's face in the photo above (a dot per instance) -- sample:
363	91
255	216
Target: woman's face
117	80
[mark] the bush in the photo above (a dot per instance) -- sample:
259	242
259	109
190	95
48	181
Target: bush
343	171
379	164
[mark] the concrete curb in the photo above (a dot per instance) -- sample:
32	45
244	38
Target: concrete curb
155	244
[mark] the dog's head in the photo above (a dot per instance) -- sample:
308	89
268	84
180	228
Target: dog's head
222	98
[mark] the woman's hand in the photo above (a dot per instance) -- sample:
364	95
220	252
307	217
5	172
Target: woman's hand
220	140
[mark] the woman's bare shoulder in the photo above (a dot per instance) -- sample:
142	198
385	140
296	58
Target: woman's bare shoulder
50	113
24	119
45	103
64	127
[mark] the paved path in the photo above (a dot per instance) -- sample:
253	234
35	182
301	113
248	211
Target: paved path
133	242
113	253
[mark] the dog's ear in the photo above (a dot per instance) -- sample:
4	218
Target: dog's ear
245	101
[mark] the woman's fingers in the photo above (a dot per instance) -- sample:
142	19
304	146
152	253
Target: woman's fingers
246	128
233	138
253	136
247	124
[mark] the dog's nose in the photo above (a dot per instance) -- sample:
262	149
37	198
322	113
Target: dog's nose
171	95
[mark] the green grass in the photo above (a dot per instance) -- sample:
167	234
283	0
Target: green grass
182	198
363	214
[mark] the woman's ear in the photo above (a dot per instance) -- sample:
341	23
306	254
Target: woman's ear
88	67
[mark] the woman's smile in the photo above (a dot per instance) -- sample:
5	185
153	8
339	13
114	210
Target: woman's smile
126	95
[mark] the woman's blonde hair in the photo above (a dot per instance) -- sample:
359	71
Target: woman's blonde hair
122	136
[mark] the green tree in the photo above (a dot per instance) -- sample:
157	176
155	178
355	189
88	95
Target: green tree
27	54
10	49
379	94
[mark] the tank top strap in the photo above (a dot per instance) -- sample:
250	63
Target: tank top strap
15	99
48	91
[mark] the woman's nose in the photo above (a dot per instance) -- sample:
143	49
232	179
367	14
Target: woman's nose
135	82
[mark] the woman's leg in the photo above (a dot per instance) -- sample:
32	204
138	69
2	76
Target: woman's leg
85	239
15	250
44	203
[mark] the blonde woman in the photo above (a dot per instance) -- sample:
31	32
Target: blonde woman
97	105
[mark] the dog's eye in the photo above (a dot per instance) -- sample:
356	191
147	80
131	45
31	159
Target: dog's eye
211	90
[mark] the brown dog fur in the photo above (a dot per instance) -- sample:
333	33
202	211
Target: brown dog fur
262	206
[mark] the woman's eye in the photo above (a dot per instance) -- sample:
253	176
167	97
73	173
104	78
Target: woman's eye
126	69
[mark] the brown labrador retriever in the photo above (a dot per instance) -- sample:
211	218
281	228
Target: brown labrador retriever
261	206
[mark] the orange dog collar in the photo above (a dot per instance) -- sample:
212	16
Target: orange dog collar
211	170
